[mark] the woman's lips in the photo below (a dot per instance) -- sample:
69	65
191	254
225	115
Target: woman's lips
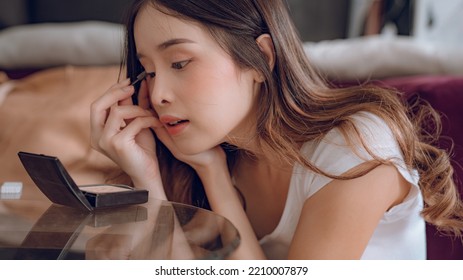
173	125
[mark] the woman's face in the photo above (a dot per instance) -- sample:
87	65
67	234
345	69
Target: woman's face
199	94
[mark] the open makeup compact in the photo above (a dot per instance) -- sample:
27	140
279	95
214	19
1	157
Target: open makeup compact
51	177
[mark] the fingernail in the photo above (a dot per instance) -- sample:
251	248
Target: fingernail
127	88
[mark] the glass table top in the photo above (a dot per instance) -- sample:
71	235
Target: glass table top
34	228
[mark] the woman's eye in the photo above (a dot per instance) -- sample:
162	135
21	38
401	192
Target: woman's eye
149	76
179	65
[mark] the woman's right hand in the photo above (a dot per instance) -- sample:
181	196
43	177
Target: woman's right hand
121	131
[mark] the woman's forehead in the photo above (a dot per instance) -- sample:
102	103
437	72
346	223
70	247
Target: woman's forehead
159	25
156	30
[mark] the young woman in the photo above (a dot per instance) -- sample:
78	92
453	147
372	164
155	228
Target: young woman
242	124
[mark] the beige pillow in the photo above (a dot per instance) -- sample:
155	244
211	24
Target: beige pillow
54	44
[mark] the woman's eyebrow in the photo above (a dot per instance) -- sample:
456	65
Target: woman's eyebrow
169	43
174	41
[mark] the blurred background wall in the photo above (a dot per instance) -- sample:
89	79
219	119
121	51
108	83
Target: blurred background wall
319	20
13	12
316	20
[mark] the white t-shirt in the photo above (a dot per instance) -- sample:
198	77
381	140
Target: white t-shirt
401	232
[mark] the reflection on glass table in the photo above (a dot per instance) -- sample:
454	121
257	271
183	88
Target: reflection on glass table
37	229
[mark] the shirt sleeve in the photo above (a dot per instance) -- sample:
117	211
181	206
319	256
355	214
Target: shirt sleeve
335	156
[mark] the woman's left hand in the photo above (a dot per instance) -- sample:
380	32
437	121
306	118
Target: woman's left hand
212	158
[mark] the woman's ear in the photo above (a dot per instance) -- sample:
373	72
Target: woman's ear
265	44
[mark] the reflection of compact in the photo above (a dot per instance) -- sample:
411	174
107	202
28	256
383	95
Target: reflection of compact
49	174
55	232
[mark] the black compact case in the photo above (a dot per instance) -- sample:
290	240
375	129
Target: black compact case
50	176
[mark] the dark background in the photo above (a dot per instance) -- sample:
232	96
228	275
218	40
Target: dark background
316	19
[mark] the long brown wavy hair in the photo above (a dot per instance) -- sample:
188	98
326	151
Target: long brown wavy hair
297	105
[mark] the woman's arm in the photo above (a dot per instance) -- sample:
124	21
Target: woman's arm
211	167
225	201
338	221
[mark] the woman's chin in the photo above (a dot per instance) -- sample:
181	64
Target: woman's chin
191	150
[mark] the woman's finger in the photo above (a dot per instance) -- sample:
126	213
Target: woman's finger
118	116
128	100
136	126
143	95
99	108
116	93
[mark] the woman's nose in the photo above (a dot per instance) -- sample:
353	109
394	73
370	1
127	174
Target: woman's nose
161	93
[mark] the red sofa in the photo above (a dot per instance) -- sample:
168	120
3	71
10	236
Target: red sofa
445	94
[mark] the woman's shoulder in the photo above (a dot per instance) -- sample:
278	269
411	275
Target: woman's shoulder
338	152
370	133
